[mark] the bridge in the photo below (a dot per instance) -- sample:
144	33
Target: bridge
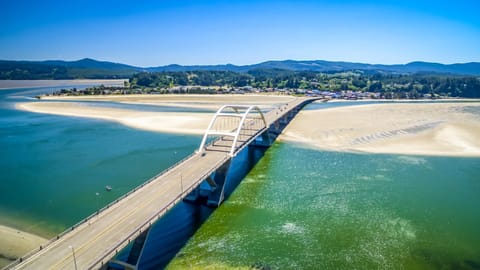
94	241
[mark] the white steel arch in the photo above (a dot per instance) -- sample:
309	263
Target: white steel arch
239	111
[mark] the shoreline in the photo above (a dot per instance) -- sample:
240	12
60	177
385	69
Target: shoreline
16	243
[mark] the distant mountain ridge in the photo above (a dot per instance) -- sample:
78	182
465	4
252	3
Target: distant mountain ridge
472	68
91	68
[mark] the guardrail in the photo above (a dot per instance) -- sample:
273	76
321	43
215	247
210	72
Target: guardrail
97	213
162	211
141	228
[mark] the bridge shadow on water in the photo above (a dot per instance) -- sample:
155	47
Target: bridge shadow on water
171	232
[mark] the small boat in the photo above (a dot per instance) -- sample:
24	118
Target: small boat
108	188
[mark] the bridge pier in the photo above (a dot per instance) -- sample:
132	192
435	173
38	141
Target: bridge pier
250	127
212	190
220	178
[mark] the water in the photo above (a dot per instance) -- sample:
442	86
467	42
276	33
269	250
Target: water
52	167
307	209
297	209
54	170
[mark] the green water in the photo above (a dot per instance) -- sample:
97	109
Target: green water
306	209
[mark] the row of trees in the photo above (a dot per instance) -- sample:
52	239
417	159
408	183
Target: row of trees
394	85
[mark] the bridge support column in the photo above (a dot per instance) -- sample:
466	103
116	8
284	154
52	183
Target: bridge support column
134	255
220	178
264	140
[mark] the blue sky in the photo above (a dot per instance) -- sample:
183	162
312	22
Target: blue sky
152	33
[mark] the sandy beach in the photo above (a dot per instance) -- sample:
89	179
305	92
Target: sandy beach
443	129
16	243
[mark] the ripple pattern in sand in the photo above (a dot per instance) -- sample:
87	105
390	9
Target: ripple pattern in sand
394	133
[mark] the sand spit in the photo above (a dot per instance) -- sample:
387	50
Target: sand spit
170	122
15	243
446	129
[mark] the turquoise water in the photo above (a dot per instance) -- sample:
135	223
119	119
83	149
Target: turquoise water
306	209
52	167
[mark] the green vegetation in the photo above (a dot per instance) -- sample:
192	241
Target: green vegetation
383	85
352	84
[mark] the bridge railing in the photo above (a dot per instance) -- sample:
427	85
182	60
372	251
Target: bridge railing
150	221
157	215
103	209
96	213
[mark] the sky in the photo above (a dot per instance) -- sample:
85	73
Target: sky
153	33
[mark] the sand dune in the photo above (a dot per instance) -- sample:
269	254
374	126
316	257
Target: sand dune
419	129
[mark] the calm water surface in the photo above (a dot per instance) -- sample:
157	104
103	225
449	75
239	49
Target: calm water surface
306	209
54	169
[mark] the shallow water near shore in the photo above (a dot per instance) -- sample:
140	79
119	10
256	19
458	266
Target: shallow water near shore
306	209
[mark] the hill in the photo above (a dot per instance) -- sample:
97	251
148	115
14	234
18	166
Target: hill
56	69
94	69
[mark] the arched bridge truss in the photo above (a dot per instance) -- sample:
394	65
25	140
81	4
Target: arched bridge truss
232	127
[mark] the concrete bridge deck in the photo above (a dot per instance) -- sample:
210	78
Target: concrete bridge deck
95	240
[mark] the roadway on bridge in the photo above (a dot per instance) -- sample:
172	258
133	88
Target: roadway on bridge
98	239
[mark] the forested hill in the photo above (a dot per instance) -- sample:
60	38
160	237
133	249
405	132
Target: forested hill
472	68
93	69
58	70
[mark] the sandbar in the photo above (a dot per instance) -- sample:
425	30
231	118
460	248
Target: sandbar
438	129
169	122
15	243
